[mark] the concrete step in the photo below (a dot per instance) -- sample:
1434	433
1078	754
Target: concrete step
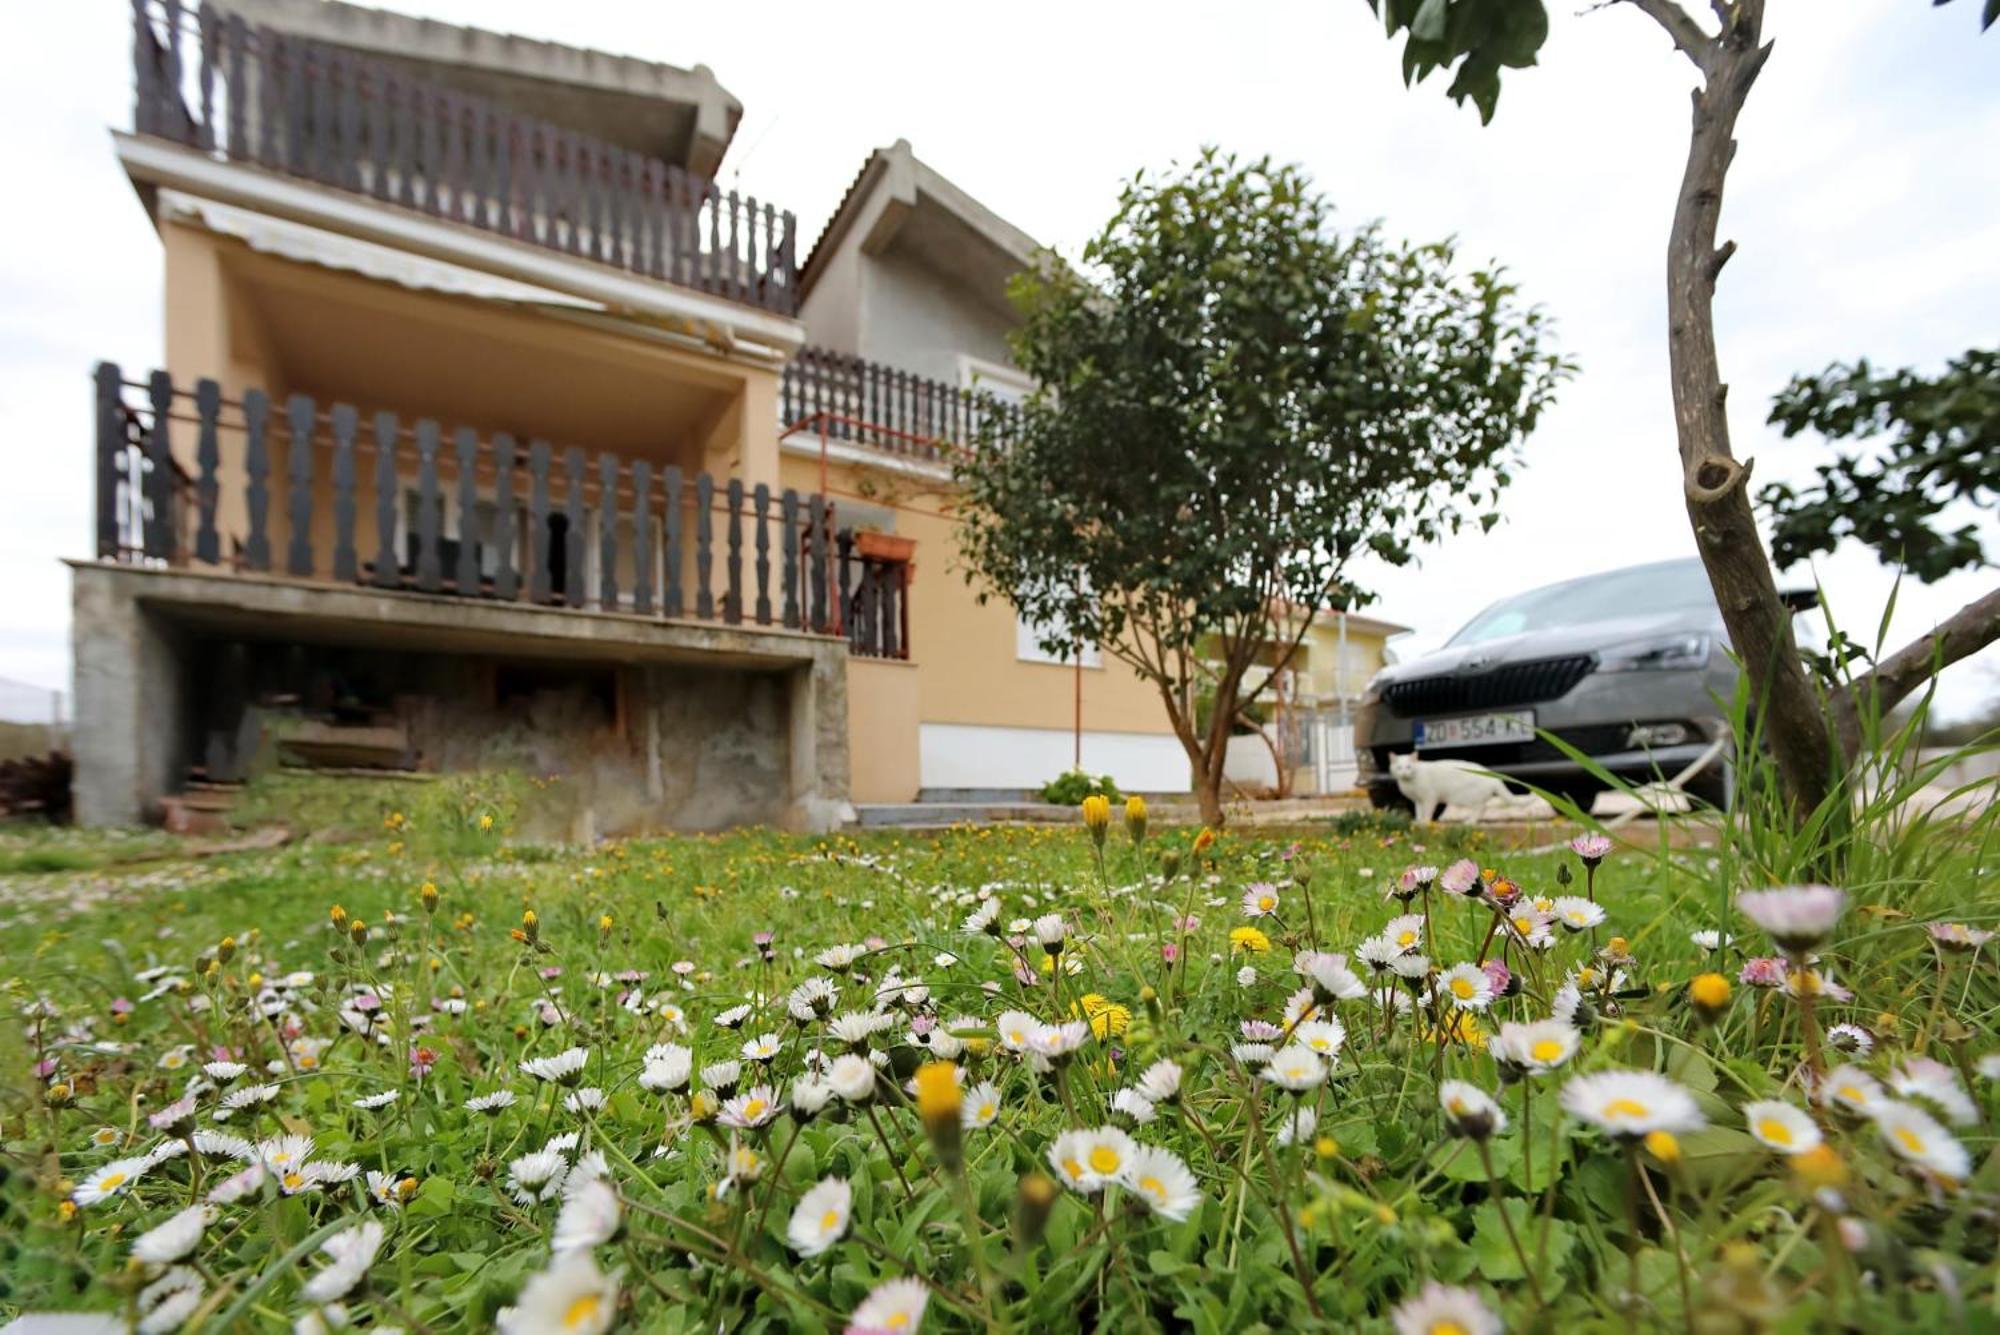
935	815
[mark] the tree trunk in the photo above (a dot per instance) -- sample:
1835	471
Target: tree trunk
1715	483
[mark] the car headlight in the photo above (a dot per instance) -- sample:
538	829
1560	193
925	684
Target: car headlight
1676	653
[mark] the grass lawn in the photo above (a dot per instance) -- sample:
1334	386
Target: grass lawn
806	1094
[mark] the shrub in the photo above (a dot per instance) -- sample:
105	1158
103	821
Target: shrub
1072	786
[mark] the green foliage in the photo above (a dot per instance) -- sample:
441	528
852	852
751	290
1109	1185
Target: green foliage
1482	37
1073	785
1937	455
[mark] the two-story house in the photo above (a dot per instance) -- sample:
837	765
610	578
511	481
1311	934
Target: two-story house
493	432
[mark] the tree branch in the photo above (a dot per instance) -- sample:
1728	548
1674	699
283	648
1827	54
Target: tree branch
1689	39
1892	680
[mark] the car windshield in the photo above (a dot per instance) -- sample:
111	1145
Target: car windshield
1674	586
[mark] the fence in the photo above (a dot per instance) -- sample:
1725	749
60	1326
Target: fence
316	492
886	407
308	109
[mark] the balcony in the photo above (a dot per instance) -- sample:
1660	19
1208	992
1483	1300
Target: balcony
259	97
861	402
190	480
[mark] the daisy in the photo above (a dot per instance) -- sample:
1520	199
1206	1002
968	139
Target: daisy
1461	877
984	920
590	1215
170	1300
895	1305
537	1176
1057	1042
388	1189
1086	1160
1576	913
820	1218
1159	1178
1710	939
283	1153
1406	932
1466	986
237	1185
1540	1045
563	1068
1441	1309
669	1067
1324	1037
754	1107
1297	1068
1297	1126
1796	917
1134	1105
812	999
1935	1083
734	1017
1957	936
587	1099
1050	930
1377	952
981	1105
1917	1136
349	1252
250	1096
852	1078
1470	1109
1330	977
173	1119
491	1104
179	1235
810	1094
1161	1082
1629	1104
855	1028
1260	900
1850	1038
722	1076
572	1296
1412	969
1592	848
1781	1127
374	1101
1531	925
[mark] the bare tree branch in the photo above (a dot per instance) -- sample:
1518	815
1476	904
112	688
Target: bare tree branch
1689	39
1892	680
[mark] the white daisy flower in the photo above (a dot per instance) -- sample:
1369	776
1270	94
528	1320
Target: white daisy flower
1131	1103
1850	1038
1405	933
1085	1160
250	1096
1780	1126
1326	1037
1297	1068
820	1218
840	958
979	1106
722	1076
1442	1309
1631	1104
572	1296
1466	986
537	1176
1921	1140
1471	1110
589	1216
1159	1178
852	1078
349	1252
374	1101
563	1068
1930	1081
1260	900
733	1017
1540	1045
895	1305
1297	1126
1050	930
491	1104
168	1302
754	1107
108	1181
1161	1082
1330	977
1796	917
166	1243
1577	914
855	1028
1710	939
589	1098
669	1067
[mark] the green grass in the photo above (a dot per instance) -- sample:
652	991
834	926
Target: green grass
1333	1233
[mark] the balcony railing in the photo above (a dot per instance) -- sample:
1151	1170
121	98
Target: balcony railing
318	492
867	403
255	95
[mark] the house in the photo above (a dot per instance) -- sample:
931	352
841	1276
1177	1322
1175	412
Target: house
493	432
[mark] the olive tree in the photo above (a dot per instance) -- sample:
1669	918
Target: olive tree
1726	50
1234	402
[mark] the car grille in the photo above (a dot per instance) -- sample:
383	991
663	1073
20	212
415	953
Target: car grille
1512	684
1600	740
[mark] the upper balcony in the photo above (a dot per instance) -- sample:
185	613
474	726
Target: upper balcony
840	397
365	125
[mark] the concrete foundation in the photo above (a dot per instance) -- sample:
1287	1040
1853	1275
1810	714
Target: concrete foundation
652	724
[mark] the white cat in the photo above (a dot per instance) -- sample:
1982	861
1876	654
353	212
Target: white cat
1433	785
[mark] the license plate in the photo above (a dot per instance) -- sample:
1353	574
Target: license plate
1477	729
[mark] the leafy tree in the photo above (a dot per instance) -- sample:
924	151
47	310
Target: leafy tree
1234	402
1810	742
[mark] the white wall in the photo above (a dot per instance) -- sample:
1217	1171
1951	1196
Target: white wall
918	319
961	755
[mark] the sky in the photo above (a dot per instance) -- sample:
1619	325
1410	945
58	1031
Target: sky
1864	199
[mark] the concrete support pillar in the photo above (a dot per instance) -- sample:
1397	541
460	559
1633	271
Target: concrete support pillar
816	716
127	737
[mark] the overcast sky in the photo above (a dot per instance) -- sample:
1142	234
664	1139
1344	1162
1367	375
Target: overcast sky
1865	200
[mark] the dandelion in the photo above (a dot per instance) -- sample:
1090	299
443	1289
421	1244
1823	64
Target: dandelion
1135	819
572	1296
1161	1181
1710	994
940	1106
896	1305
1781	1127
1919	1139
1442	1309
349	1252
820	1218
1628	1104
1248	940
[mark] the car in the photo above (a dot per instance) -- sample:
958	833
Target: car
1630	667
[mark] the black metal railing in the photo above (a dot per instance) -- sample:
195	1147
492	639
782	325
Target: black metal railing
209	80
317	491
868	403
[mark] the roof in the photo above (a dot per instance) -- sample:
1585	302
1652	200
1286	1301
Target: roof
681	116
898	201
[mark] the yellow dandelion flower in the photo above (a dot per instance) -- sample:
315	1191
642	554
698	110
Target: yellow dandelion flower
1249	940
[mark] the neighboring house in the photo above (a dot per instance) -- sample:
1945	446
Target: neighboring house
493	432
1310	708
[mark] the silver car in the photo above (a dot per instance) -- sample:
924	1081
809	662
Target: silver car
1630	667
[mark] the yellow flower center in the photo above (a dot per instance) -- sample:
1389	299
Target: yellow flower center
754	1108
1153	1187
1775	1131
293	1181
1546	1049
987	1112
1910	1140
1463	989
1103	1160
1851	1093
897	1320
1448	1327
1267	902
1073	1168
1624	1108
829	1221
581	1310
1406	939
111	1182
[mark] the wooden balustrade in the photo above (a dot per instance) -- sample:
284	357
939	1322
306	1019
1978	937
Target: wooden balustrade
316	491
210	80
887	408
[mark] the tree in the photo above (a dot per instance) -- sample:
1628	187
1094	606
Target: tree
1233	402
1810	744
